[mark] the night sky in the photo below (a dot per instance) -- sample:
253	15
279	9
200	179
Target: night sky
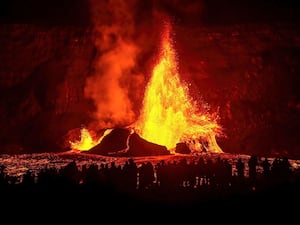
209	12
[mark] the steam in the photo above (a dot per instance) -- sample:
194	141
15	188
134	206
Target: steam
114	63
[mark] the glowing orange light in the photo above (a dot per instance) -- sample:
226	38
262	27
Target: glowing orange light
86	141
169	115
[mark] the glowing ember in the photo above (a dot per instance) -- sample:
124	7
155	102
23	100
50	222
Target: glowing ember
87	141
169	115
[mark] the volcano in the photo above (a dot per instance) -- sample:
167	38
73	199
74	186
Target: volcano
121	142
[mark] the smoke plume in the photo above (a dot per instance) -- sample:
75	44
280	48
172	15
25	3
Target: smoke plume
125	35
114	69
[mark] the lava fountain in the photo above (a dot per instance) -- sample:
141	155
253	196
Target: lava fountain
87	140
169	115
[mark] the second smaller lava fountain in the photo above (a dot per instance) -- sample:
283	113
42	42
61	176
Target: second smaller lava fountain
169	114
87	140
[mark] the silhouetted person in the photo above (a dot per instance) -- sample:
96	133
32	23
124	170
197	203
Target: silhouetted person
285	170
200	171
70	174
275	171
3	177
219	172
130	174
92	177
210	173
252	164
192	173
150	174
161	174
146	175
266	165
240	166
113	175
28	179
227	173
142	176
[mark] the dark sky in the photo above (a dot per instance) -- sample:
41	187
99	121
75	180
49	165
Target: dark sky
209	12
53	12
251	11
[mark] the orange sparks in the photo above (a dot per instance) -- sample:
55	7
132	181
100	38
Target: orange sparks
169	115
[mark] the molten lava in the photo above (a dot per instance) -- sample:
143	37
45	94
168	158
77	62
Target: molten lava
87	141
169	115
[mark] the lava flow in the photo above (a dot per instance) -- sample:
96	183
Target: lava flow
169	114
